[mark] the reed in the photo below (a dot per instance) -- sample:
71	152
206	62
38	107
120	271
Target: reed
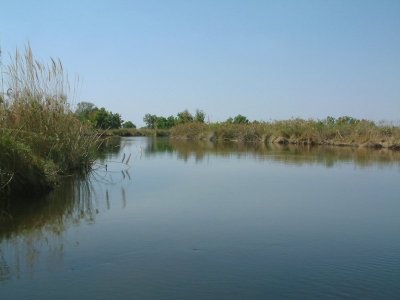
344	131
40	137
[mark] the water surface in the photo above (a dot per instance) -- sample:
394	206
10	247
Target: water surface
195	220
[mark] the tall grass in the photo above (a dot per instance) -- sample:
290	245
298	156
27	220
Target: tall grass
40	137
342	131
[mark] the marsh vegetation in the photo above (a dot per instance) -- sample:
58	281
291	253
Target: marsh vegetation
40	137
343	131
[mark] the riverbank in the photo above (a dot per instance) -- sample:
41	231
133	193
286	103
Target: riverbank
41	139
341	132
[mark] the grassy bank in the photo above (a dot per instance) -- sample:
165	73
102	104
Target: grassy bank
40	137
343	131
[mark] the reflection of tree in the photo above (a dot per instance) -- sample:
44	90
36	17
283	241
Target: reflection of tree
158	145
288	154
4	268
34	223
109	146
33	228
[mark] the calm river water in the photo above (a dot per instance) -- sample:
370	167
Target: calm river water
195	220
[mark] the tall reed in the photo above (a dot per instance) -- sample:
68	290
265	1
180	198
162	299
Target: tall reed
342	131
40	137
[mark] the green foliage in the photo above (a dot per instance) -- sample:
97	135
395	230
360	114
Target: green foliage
184	117
104	119
150	121
160	122
346	120
128	124
199	116
165	123
84	109
239	119
98	118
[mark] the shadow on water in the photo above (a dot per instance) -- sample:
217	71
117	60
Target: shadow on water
287	154
31	223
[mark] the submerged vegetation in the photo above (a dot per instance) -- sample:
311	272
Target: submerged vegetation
40	137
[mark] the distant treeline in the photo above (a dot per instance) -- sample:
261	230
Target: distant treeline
160	122
100	118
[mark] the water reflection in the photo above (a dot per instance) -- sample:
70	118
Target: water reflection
4	268
31	224
36	229
287	154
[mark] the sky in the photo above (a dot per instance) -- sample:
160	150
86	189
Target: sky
267	60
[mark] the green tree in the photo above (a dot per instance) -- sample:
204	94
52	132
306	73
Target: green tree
128	124
199	116
229	120
84	110
184	117
161	123
239	119
150	120
104	119
330	121
171	121
346	120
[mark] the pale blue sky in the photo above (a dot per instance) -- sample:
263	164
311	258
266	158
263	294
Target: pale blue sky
263	59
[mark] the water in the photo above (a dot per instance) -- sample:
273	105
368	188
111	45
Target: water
187	220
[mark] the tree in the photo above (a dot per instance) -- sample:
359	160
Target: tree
171	121
184	117
346	120
84	109
330	121
128	124
150	121
161	123
229	120
104	119
239	119
199	116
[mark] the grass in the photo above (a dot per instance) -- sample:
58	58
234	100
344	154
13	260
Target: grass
40	137
344	131
136	132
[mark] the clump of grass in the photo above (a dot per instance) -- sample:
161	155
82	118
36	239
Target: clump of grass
41	138
191	130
